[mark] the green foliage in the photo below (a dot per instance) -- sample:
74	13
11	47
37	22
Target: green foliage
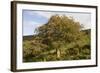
59	39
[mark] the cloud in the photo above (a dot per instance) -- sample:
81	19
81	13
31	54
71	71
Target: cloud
39	13
34	16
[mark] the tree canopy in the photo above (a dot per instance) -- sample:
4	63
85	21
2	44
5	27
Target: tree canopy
61	38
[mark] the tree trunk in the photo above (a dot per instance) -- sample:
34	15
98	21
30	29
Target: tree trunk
58	53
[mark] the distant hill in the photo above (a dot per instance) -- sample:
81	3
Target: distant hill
87	31
29	37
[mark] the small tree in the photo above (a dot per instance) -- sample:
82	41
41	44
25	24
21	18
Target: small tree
61	30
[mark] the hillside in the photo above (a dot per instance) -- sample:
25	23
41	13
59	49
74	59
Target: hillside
29	37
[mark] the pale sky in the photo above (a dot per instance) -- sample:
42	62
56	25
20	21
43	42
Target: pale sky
34	19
